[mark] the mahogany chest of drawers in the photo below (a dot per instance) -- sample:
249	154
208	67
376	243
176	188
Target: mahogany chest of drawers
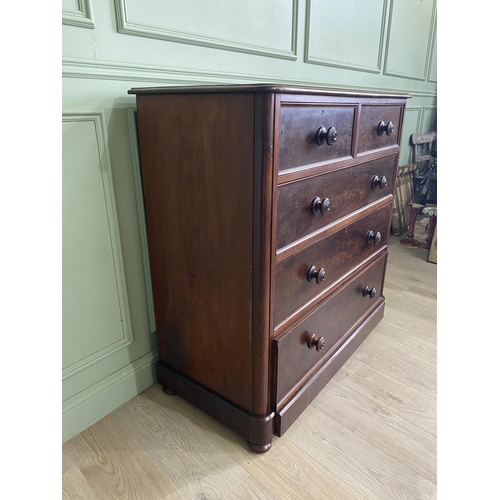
268	211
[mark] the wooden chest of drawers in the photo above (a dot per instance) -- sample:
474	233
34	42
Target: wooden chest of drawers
268	211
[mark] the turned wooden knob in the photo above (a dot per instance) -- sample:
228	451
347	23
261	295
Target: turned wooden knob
329	136
380	182
369	292
314	341
316	274
320	206
374	237
382	127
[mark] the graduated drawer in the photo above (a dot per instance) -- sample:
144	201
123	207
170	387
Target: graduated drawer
369	136
297	351
346	190
298	133
336	254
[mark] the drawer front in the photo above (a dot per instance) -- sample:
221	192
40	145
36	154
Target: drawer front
371	115
337	254
298	139
346	190
297	352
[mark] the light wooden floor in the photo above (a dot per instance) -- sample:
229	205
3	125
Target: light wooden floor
370	434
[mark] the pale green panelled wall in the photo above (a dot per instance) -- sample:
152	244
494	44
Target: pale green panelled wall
108	47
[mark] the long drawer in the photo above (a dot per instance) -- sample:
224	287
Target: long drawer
336	255
322	332
302	208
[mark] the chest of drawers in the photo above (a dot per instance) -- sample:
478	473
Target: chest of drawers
268	211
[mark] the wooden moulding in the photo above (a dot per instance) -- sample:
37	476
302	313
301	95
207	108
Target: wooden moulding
287	415
258	431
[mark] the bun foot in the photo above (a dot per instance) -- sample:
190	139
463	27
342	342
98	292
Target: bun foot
168	391
259	448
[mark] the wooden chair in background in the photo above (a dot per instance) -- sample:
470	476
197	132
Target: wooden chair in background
427	154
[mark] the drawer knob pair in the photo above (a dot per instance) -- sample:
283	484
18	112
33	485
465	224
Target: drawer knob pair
382	127
380	182
369	292
314	341
319	206
329	136
316	274
374	237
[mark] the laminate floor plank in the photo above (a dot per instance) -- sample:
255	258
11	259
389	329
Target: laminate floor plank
416	298
349	367
418	375
283	470
421	327
374	423
187	455
407	306
366	468
375	409
75	487
410	271
409	267
404	342
398	281
70	455
429	293
287	473
116	466
412	405
250	489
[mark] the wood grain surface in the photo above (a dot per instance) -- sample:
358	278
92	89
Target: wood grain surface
348	189
370	117
331	322
199	211
299	125
337	254
370	434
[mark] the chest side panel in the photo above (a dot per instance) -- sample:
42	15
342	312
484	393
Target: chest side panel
197	165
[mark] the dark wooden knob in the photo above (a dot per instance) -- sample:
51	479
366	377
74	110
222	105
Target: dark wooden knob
329	136
321	136
369	292
380	182
382	127
374	237
316	274
320	206
314	341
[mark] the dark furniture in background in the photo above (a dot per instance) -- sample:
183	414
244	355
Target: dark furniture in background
268	211
425	156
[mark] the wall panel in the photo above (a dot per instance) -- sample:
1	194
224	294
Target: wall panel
432	75
265	27
78	13
409	38
429	119
96	318
413	118
347	35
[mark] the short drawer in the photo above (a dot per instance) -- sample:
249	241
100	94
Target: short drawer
322	332
314	133
336	255
379	127
302	208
